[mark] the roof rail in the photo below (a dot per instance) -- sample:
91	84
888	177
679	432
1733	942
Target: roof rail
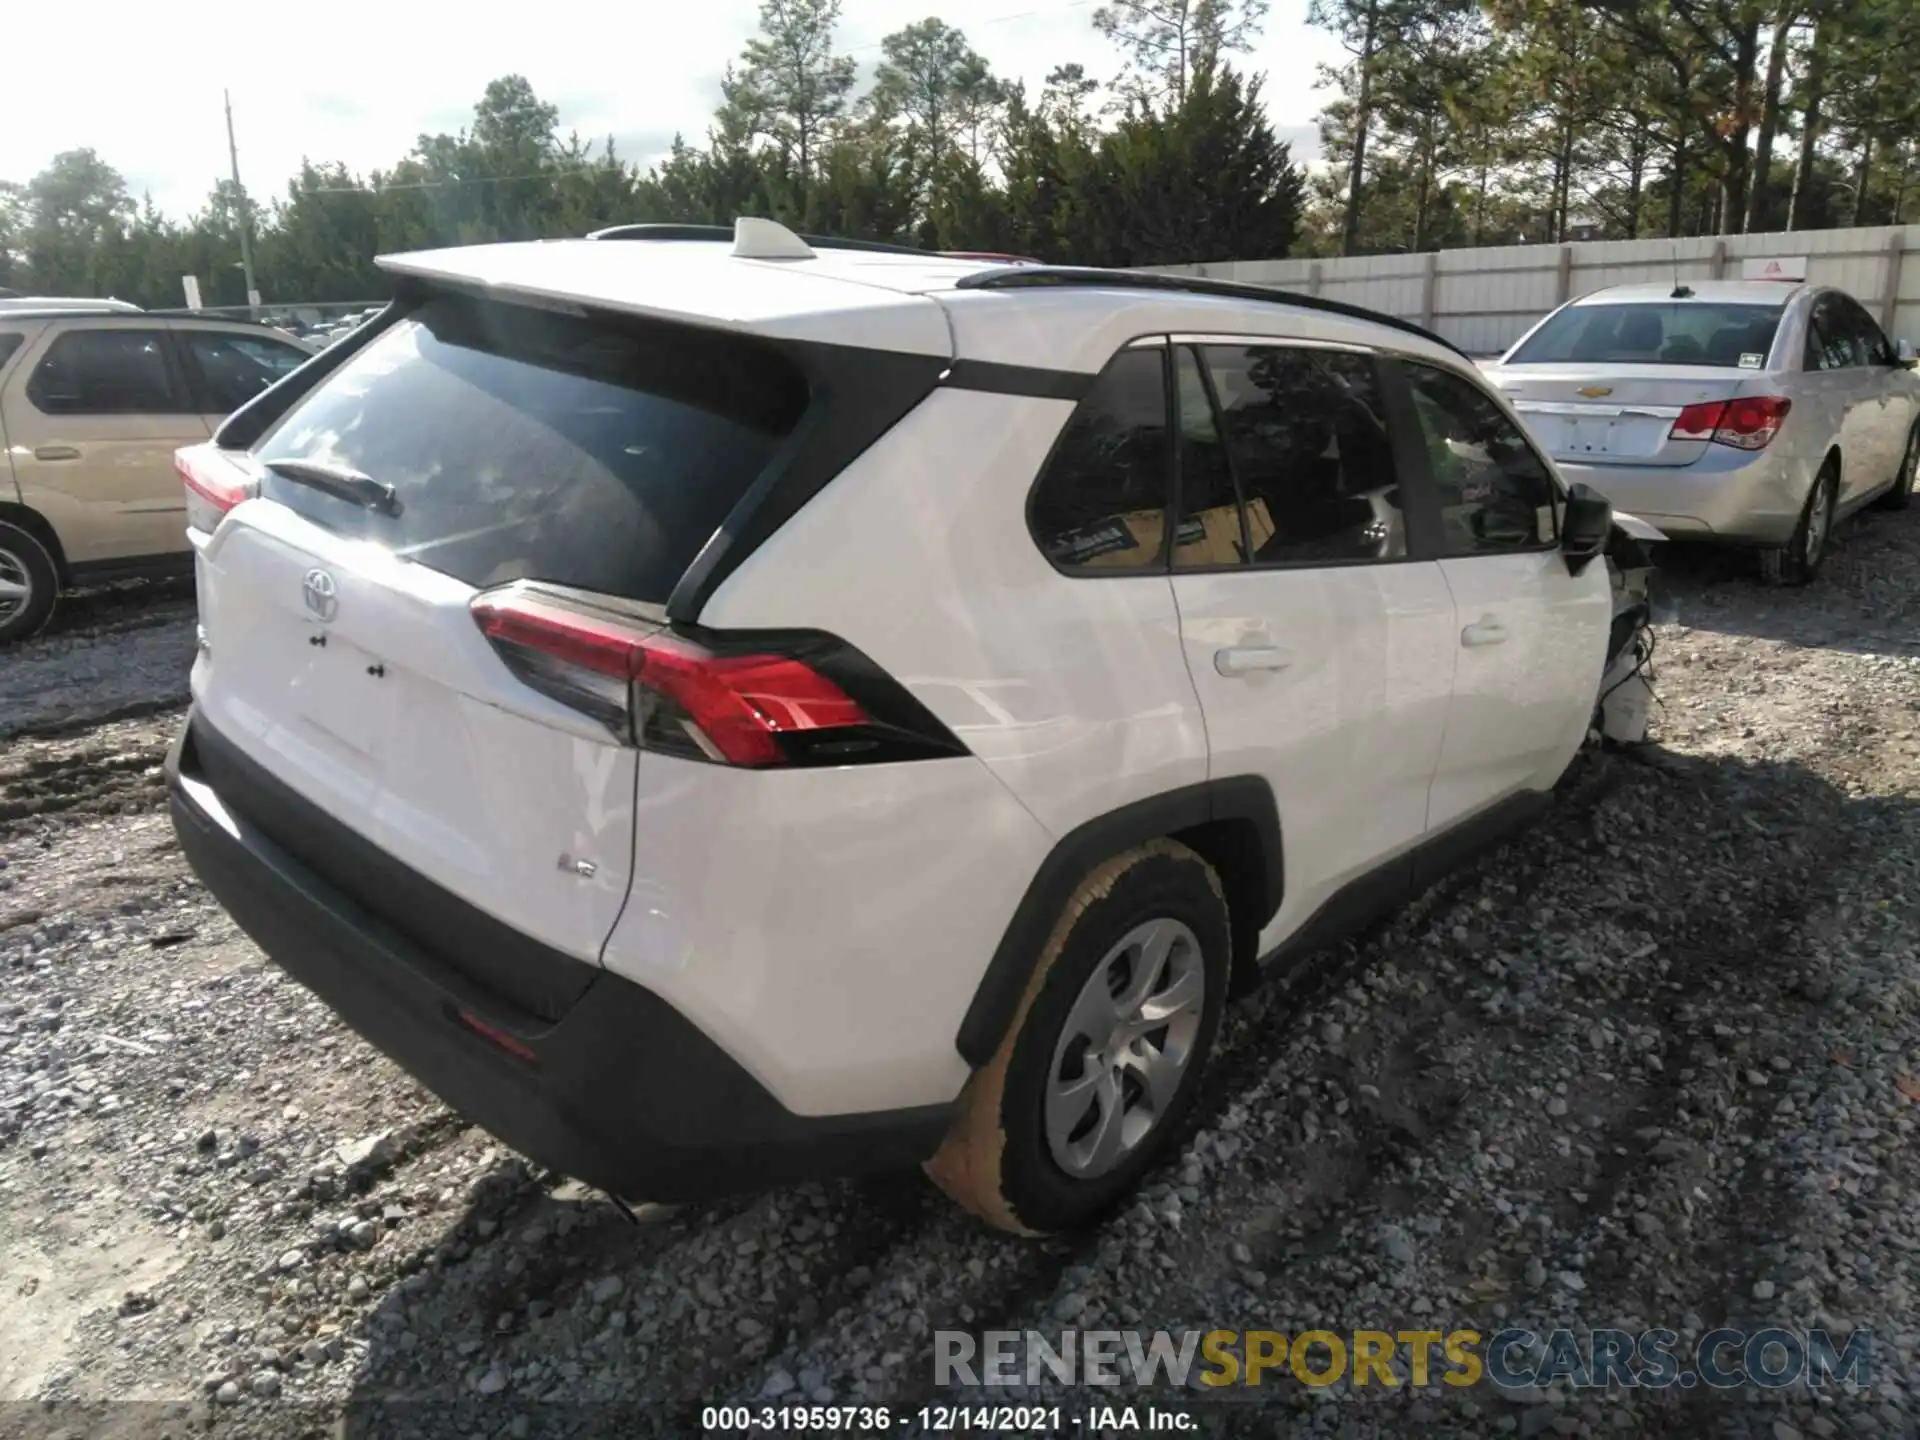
1036	277
726	233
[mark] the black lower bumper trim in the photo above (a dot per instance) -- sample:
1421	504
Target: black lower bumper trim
622	1092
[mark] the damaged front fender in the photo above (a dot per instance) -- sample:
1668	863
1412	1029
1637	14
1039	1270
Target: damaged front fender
1625	699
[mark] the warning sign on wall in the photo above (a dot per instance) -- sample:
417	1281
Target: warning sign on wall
1774	267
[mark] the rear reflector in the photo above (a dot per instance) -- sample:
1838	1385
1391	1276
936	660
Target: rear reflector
1748	423
214	484
755	702
498	1036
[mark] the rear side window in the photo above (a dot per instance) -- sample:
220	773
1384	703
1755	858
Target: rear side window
235	368
107	372
10	341
1679	332
1101	502
595	453
1307	433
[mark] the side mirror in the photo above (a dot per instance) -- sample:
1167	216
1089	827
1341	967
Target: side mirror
1585	527
1903	351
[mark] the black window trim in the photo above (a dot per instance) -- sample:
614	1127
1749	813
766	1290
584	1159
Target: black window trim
1177	508
1406	423
171	352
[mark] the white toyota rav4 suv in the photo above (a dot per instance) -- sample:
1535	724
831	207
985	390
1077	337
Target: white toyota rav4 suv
722	713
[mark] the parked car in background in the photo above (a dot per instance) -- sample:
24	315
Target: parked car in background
95	396
725	709
1744	412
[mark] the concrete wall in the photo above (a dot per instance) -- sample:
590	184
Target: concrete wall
1483	300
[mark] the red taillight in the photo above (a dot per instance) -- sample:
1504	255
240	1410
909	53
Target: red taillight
214	484
1748	423
661	691
1698	422
743	704
1752	421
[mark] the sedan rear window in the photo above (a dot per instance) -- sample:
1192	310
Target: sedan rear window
1680	332
524	444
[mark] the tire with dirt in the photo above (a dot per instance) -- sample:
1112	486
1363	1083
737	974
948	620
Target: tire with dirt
1098	1072
29	583
1901	495
1798	561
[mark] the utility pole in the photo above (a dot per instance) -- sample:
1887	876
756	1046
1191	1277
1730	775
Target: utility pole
246	213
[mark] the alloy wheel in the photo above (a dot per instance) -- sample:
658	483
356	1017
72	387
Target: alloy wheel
16	584
1124	1050
1819	520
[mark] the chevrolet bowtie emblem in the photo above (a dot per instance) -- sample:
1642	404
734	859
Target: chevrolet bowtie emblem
1594	392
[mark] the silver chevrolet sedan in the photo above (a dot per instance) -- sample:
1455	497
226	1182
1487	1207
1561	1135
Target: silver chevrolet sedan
1748	412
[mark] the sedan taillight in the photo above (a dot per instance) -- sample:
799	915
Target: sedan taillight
753	701
1748	423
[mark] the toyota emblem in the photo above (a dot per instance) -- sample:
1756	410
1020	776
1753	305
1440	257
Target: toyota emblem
321	594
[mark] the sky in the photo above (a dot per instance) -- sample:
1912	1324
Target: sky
357	81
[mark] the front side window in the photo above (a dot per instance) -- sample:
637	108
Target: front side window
1101	501
1495	493
1307	435
235	368
10	341
106	372
1872	340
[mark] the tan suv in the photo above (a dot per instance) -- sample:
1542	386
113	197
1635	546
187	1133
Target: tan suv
94	399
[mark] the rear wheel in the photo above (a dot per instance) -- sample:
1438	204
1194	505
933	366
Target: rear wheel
1799	560
28	583
1901	495
1097	1075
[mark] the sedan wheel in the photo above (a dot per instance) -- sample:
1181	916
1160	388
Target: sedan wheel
1799	560
1901	495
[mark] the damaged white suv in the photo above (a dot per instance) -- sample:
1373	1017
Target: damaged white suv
720	708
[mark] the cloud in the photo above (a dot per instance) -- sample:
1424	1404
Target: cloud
361	86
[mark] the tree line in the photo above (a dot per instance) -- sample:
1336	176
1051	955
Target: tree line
1449	122
1481	122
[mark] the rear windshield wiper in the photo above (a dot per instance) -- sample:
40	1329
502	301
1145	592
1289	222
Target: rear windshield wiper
339	480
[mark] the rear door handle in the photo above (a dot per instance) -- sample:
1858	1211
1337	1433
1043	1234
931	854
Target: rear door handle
1488	631
55	452
1245	659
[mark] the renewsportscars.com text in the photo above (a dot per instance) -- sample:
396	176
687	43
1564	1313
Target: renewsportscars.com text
1510	1359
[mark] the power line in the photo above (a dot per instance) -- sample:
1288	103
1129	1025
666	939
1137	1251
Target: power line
995	20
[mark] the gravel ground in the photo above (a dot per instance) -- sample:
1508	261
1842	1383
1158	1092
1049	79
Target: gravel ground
1655	1065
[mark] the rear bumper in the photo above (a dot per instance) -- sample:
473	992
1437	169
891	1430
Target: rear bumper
622	1091
1728	495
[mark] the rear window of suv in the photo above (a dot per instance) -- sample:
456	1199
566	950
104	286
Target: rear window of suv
524	444
1680	332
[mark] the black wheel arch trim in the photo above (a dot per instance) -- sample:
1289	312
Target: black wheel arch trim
1239	797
